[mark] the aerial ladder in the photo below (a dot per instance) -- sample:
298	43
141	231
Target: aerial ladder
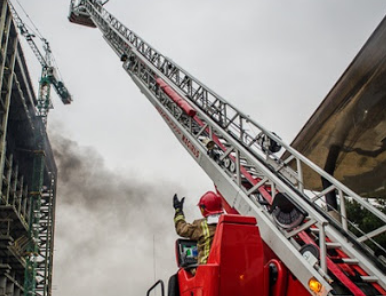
241	157
49	74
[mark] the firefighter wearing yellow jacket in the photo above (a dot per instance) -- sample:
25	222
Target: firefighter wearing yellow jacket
201	230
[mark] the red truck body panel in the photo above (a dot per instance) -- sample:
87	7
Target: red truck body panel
238	264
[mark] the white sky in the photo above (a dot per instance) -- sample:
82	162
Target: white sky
275	60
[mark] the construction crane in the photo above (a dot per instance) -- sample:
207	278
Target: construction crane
49	74
311	250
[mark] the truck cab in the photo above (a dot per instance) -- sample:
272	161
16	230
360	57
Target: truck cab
237	264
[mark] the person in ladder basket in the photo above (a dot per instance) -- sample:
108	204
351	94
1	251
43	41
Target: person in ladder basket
201	230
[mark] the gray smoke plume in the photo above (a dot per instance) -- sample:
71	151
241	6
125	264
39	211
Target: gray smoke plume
114	232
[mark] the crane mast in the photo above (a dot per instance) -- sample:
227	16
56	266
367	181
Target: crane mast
239	155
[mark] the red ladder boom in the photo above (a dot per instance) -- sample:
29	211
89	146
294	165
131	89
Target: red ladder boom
243	165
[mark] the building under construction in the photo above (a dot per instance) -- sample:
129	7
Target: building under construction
28	175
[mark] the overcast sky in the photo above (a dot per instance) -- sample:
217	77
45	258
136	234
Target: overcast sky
120	165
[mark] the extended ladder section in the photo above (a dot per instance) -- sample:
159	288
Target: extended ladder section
240	156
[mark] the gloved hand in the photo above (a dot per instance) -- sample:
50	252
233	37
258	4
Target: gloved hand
178	204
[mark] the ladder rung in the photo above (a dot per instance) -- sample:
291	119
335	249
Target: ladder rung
248	166
369	279
333	245
314	230
350	261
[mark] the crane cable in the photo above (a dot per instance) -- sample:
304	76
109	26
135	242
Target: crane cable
37	33
35	30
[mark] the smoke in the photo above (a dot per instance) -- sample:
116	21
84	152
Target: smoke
114	232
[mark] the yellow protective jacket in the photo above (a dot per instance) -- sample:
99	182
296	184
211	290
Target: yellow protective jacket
200	231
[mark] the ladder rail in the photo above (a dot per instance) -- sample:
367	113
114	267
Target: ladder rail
207	99
224	124
244	205
226	183
196	92
335	236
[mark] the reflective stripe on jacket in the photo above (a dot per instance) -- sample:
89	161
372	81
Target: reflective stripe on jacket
200	231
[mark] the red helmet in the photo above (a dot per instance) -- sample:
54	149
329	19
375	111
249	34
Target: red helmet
210	203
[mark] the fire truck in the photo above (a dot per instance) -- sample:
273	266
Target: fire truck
278	238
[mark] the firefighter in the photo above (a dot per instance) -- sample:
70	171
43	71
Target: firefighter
201	230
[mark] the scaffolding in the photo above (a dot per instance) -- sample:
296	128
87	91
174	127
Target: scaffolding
27	176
